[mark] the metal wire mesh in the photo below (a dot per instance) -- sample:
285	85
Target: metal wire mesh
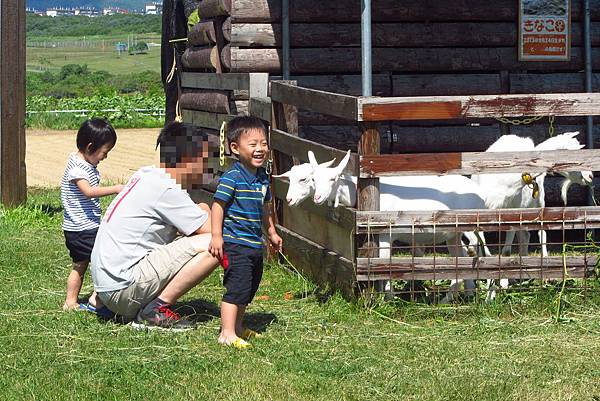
444	256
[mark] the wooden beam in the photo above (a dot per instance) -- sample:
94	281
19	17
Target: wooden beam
206	119
491	267
229	81
323	266
261	107
550	218
480	162
299	147
480	106
13	174
334	104
313	11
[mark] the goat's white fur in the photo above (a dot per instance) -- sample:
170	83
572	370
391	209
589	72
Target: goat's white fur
524	199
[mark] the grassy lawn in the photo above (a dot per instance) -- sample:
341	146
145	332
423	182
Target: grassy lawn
312	348
97	58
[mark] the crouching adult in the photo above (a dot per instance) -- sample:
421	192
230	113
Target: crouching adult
152	243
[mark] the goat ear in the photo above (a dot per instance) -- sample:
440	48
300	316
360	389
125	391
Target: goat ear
312	159
286	175
344	162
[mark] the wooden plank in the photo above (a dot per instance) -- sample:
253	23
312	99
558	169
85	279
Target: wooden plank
258	85
389	11
324	267
334	104
480	106
492	267
445	84
341	216
206	119
480	162
320	230
343	84
548	83
229	81
556	218
261	107
398	34
13	174
340	60
298	147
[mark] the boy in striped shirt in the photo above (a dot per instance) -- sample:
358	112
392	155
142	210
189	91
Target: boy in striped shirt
239	211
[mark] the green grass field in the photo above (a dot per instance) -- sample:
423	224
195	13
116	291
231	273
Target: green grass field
312	348
96	58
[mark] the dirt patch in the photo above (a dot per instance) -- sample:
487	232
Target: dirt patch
47	152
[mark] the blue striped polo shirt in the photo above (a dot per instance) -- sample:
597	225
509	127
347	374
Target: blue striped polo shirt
80	212
244	194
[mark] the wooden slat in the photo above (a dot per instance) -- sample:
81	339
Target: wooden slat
205	119
261	107
229	81
323	266
556	218
201	195
298	147
492	267
480	106
347	60
389	11
480	162
13	175
342	216
334	104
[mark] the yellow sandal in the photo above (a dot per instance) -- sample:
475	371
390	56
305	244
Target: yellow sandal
248	334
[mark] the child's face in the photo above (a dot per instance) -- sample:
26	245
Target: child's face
251	148
100	154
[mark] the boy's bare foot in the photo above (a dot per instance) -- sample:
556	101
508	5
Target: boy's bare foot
235	342
70	306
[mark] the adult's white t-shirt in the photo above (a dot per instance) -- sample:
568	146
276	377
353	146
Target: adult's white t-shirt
149	212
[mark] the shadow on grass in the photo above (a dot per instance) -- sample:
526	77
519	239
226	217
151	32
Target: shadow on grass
202	311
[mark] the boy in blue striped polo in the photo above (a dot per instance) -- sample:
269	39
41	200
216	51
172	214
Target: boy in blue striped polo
239	211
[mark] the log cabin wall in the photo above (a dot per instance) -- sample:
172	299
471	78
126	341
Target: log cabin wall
420	47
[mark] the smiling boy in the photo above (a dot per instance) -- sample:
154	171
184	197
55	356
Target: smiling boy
238	213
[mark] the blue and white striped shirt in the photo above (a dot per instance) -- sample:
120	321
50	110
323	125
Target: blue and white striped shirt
80	212
244	194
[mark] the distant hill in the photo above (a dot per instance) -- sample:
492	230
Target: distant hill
127	4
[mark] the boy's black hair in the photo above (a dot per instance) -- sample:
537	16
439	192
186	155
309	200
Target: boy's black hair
178	140
241	124
97	132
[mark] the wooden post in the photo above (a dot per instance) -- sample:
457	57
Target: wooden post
284	117
13	184
368	188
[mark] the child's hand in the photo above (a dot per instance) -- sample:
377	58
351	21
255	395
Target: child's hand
216	247
119	188
276	241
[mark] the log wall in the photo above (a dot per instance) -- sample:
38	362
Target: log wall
420	48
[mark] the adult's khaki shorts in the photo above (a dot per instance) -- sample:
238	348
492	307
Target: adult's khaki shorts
151	274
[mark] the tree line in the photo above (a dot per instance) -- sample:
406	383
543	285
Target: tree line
44	26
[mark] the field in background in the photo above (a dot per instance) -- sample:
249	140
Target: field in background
98	53
47	152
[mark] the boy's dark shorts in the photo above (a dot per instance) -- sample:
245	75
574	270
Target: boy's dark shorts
243	274
80	244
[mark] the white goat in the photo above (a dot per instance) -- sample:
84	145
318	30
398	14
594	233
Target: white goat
406	193
496	199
